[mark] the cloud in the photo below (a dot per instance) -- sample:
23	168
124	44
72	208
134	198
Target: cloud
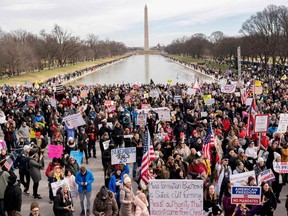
122	20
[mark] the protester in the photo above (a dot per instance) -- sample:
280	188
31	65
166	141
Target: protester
35	166
55	175
84	180
126	198
34	209
105	203
63	203
141	203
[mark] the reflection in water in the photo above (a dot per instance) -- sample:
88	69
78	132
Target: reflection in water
146	65
140	69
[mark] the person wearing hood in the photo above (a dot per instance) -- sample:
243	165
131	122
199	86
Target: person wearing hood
279	179
141	203
13	196
70	146
105	203
259	167
63	204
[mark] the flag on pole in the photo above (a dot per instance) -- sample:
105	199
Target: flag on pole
245	94
251	118
208	143
148	155
8	163
196	85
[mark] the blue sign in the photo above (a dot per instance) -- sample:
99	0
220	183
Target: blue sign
246	190
245	194
77	155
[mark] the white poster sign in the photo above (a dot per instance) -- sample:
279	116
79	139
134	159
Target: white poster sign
261	123
176	197
228	88
210	101
248	101
73	121
191	91
241	178
164	115
141	119
283	123
123	155
106	144
55	186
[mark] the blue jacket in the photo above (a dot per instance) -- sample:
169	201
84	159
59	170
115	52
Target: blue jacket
112	182
87	177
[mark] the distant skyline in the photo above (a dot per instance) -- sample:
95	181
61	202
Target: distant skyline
123	20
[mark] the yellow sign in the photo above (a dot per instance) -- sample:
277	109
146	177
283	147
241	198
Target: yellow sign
284	77
169	81
205	97
257	83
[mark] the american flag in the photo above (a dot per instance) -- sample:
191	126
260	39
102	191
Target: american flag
251	118
148	155
245	94
8	163
208	143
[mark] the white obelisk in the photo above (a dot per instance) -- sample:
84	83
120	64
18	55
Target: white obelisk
146	36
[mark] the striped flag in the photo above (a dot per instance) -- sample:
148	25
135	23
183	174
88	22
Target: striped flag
251	118
208	143
245	94
8	163
148	155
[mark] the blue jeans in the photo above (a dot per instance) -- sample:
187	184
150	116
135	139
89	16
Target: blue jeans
82	196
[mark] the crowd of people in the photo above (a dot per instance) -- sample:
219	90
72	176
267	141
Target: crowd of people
27	129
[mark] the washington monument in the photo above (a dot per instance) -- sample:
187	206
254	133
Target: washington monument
146	35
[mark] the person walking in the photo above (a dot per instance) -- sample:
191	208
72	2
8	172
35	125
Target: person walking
4	176
126	198
13	196
63	203
35	167
34	209
84	180
105	203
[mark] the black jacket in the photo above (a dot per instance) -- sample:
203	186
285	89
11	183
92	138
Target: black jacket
60	203
13	197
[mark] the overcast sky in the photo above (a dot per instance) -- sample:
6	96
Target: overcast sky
123	20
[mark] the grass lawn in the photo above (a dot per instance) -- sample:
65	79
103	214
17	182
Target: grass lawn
45	74
191	60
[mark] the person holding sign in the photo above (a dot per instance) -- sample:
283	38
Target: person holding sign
269	202
279	179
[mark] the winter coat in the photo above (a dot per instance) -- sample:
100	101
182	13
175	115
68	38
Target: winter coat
108	206
60	203
227	206
3	182
117	135
141	208
13	197
22	162
112	182
35	170
271	203
24	132
82	141
87	177
50	168
127	206
73	167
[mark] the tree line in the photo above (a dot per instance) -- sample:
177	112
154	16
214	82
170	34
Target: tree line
21	51
264	36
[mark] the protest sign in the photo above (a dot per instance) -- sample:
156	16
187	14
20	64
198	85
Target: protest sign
106	144
53	102
123	155
210	101
191	91
164	115
77	155
283	123
280	167
55	151
128	97
257	83
55	186
246	195
237	94
2	144
73	121
109	124
178	99
258	90
176	197
261	123
205	97
169	81
154	93
248	101
145	106
203	114
241	178
141	119
83	94
146	95
228	88
74	100
266	175
128	136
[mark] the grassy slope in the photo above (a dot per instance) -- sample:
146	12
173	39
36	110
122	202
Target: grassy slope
189	59
45	74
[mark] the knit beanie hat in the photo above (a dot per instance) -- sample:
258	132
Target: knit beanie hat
34	205
127	179
103	191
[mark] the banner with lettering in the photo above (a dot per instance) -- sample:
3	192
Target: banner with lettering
73	121
141	119
55	186
261	123
280	167
246	195
55	151
123	155
176	197
283	123
241	178
265	176
228	88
